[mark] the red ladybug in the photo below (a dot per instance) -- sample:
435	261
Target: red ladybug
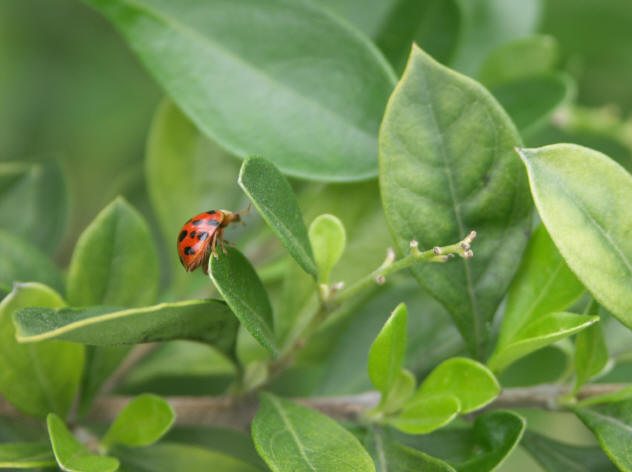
199	236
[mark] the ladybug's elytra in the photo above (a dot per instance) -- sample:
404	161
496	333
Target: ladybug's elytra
199	236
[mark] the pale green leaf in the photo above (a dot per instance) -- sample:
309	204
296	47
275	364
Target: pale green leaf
26	455
328	239
401	391
424	414
386	356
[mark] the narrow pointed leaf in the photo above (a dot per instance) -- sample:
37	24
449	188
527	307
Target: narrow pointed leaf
38	378
272	195
246	85
143	421
327	238
426	413
208	321
590	224
239	284
446	168
471	382
290	437
387	352
71	455
26	455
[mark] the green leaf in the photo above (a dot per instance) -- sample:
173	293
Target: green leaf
186	174
208	321
143	421
545	330
244	84
446	167
22	262
591	354
426	413
386	356
272	195
328	239
36	378
290	437
611	423
528	370
401	391
115	261
180	457
555	456
579	215
71	455
471	382
496	434
32	197
543	284
239	284
519	58
26	455
531	101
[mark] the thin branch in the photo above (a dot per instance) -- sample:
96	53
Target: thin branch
228	411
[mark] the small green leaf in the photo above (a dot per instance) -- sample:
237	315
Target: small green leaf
290	438
386	356
239	284
208	321
22	262
328	238
37	378
251	90
545	330
611	423
519	58
471	382
271	194
26	455
555	456
115	261
32	197
446	168
143	421
71	455
590	224
496	434
591	354
426	413
401	391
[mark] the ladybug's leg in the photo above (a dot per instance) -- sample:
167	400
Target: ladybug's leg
221	239
228	243
213	243
205	263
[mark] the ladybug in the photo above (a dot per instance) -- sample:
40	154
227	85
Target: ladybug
199	236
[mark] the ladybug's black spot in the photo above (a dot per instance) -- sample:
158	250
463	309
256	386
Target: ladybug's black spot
198	222
211	212
189	251
192	235
203	236
212	222
183	235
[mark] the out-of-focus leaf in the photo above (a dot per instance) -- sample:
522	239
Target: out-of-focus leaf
228	68
386	355
580	215
26	455
528	370
447	167
37	378
591	354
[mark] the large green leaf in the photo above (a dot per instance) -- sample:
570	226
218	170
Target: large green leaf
34	197
115	261
611	423
290	437
386	356
555	456
273	196
26	455
543	284
208	321
469	381
71	455
22	262
582	197
143	421
239	284
36	378
238	70
186	174
447	167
